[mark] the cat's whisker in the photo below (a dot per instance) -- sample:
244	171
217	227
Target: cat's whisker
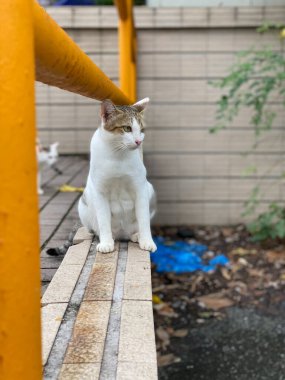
119	146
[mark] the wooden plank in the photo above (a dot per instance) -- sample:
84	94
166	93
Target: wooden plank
211	165
230	141
200	40
48	174
229	189
179	41
203	213
186	141
98	41
61	235
178	115
187	90
57	210
191	65
106	17
52	186
75	142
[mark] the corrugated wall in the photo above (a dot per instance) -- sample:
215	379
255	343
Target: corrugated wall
198	176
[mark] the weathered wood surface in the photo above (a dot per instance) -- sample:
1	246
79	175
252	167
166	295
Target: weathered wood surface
58	211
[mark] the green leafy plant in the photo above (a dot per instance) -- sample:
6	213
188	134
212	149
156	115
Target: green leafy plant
269	225
254	81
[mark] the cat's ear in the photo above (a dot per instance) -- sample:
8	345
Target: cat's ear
107	110
141	105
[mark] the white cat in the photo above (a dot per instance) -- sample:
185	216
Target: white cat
46	157
118	201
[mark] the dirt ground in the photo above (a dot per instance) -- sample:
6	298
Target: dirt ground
228	324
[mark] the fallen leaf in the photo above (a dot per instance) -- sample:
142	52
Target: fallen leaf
226	273
273	256
158	288
156	299
238	286
216	301
242	261
196	281
164	360
205	314
242	251
181	333
227	232
165	310
255	272
163	336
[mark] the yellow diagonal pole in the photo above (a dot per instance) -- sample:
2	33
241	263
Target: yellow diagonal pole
20	348
60	62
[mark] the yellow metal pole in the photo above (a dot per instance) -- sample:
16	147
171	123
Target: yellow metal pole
127	46
20	345
122	8
60	62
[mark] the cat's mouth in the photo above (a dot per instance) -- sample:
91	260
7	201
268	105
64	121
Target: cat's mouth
134	147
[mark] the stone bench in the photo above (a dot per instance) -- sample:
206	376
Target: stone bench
97	319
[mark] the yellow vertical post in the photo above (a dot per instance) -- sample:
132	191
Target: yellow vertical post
127	47
20	346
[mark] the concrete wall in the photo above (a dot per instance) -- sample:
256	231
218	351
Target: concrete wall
198	176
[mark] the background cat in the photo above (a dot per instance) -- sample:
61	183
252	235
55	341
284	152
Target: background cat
46	157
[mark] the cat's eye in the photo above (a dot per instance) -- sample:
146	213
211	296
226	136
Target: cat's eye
142	130
127	128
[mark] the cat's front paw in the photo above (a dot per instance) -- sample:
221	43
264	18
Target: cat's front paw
105	247
147	245
40	191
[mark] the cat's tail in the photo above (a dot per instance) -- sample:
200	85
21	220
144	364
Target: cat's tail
57	251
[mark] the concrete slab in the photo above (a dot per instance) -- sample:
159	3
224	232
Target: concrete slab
76	254
86	371
137	341
88	338
138	371
52	315
81	235
61	287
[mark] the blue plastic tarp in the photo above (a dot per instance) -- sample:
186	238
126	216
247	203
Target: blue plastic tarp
182	257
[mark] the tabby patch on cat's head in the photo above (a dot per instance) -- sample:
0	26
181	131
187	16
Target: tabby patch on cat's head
114	117
125	122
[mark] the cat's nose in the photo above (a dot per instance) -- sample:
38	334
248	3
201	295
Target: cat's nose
138	142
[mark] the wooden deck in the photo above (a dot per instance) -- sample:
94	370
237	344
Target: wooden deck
58	211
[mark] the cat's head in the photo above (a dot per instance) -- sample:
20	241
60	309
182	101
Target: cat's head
124	124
